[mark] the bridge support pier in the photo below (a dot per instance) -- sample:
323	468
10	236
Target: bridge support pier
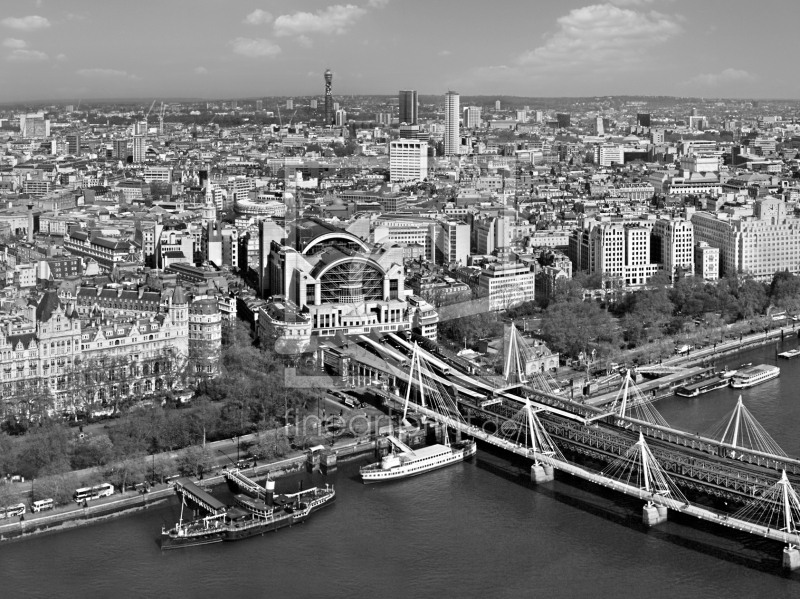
791	558
540	473
653	514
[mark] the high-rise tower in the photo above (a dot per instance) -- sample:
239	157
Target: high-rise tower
408	106
452	112
328	97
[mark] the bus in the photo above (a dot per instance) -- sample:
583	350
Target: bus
42	505
96	492
13	510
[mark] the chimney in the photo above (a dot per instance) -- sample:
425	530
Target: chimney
30	222
269	488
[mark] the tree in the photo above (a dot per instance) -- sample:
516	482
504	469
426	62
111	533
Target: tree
575	327
95	450
126	472
193	461
45	449
58	487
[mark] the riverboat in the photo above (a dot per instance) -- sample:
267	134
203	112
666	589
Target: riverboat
703	386
790	355
248	518
404	462
754	375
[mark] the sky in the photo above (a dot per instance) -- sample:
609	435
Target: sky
65	50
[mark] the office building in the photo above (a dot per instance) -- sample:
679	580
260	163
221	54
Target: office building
563	120
140	141
706	261
472	117
74	144
314	104
341	118
497	105
451	240
673	246
409	106
506	284
234	105
289	104
521	116
758	245
408	160
452	114
643	119
609	154
337	282
259	105
120	149
34	126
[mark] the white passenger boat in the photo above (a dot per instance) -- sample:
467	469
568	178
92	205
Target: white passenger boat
754	375
404	462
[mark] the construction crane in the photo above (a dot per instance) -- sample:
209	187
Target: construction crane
161	120
280	123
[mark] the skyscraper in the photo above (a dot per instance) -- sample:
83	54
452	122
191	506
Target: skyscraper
289	104
497	105
341	118
139	141
328	97
452	112
259	105
643	118
408	106
599	129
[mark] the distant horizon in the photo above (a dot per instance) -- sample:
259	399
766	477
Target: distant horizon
53	52
420	95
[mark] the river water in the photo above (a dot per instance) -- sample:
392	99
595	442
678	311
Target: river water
472	530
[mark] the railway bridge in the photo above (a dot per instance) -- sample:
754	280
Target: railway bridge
645	458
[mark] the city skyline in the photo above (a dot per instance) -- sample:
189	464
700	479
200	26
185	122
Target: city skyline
572	49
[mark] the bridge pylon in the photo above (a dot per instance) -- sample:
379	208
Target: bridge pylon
778	508
527	430
631	403
741	431
639	468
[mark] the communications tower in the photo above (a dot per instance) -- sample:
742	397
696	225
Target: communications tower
328	97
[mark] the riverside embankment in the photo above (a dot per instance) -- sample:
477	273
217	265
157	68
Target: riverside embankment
71	516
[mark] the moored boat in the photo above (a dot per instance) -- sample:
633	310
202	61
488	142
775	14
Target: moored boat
247	518
704	385
754	375
404	462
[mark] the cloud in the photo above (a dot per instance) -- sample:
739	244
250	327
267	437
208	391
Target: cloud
721	78
378	3
201	70
631	2
600	37
258	17
29	23
254	48
332	20
61	57
103	73
11	42
444	53
304	40
27	56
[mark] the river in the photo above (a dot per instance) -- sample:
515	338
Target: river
472	530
